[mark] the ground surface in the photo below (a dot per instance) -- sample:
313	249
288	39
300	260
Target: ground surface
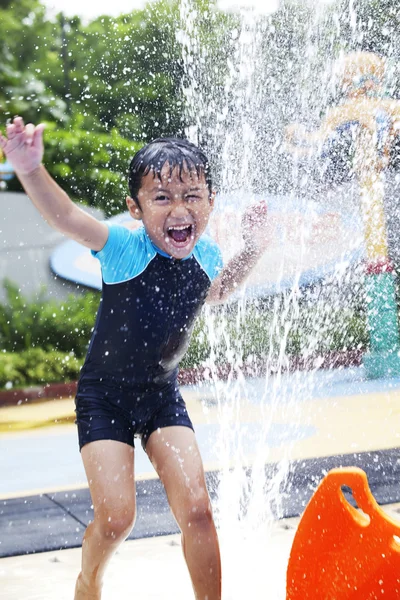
309	422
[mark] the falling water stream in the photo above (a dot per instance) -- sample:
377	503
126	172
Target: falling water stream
247	76
237	106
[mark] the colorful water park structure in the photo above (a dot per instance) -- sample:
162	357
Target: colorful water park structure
373	122
6	171
340	553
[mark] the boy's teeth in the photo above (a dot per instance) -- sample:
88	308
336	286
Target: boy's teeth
180	233
178	227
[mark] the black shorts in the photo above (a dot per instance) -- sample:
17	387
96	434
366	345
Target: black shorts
107	412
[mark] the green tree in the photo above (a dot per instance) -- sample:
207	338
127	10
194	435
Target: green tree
121	72
104	88
90	165
23	35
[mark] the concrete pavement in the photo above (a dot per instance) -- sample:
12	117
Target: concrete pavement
310	422
154	568
301	416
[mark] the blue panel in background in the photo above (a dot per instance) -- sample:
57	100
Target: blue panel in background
310	241
74	262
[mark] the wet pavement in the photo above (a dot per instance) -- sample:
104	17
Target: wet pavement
309	422
154	569
295	417
25	258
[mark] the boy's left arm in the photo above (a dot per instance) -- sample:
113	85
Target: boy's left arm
256	240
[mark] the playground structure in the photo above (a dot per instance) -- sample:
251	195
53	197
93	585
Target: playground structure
373	122
6	171
341	553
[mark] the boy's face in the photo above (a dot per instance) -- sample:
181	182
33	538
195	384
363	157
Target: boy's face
175	211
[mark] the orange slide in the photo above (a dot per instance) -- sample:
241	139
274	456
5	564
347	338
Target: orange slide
341	553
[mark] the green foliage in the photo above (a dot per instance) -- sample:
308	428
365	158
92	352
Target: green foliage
46	341
114	68
24	31
103	88
133	62
327	329
199	348
268	333
37	366
46	324
90	165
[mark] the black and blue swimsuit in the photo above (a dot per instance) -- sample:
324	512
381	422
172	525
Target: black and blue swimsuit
150	301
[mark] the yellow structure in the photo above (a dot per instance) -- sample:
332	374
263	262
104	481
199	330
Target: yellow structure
374	122
6	170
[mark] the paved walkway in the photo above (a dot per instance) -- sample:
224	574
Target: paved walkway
254	566
26	245
154	569
294	417
314	422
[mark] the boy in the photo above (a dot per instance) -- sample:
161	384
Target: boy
155	281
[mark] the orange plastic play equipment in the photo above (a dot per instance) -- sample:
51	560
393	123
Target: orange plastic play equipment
341	553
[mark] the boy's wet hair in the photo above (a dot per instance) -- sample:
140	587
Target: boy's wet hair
178	153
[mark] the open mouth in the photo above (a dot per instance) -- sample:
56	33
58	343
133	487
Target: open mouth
180	234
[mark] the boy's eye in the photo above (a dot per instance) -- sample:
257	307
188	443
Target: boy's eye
193	198
161	197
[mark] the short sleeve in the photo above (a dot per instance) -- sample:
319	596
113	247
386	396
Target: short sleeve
124	255
209	256
117	236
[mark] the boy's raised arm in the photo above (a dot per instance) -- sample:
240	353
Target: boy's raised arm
256	238
23	146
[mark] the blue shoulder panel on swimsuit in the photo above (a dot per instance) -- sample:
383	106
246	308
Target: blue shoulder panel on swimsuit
125	255
209	257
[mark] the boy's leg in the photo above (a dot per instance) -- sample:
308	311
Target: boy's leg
176	458
109	467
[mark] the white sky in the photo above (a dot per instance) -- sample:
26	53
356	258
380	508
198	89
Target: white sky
90	9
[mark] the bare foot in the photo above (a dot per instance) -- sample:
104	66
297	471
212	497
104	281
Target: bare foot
85	591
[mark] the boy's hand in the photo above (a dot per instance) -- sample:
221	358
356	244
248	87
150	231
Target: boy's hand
23	146
255	230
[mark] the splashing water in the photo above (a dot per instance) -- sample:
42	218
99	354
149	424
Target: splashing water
240	95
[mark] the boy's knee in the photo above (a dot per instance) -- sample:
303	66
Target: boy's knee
115	527
198	512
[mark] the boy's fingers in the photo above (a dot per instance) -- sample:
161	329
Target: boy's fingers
261	206
16	127
39	129
27	134
19	124
10	130
257	211
29	131
38	134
